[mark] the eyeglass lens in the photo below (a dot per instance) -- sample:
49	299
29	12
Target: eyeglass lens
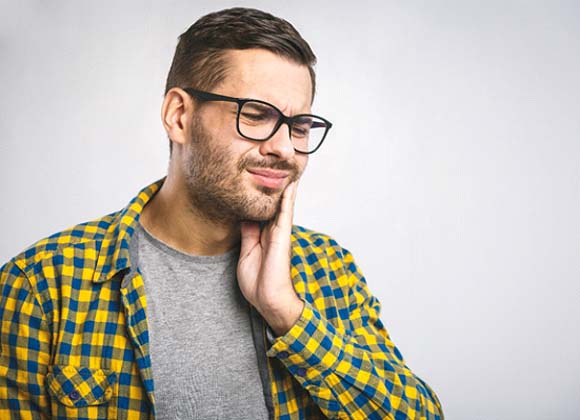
258	121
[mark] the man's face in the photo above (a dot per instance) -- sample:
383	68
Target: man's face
230	178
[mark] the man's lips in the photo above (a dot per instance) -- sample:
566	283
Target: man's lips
268	173
271	178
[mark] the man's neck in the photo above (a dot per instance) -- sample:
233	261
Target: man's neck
170	217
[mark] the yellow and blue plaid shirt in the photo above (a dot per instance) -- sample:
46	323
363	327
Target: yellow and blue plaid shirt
74	341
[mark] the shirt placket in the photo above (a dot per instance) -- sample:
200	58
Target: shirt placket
134	304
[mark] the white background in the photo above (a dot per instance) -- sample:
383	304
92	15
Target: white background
452	172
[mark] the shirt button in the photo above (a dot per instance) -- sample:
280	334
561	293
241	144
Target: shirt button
283	354
301	371
74	395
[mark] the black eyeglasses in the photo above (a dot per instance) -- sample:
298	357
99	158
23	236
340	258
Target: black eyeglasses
258	120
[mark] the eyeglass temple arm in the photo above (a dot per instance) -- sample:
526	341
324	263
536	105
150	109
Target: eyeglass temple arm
206	96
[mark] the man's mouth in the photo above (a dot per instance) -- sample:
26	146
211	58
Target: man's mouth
271	178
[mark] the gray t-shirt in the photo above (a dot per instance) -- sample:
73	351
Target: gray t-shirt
202	354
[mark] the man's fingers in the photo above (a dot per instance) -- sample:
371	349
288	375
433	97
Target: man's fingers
250	233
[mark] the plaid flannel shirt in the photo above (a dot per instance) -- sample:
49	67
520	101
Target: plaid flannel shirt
74	340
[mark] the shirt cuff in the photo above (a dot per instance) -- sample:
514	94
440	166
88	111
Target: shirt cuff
311	349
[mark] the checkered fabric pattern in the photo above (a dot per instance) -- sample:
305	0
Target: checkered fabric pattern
74	341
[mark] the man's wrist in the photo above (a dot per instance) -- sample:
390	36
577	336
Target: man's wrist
283	318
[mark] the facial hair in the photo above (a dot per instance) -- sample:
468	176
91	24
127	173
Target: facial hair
215	181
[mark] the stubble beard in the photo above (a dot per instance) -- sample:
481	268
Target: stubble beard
216	186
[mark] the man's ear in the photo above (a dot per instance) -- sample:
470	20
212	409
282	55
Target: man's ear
176	114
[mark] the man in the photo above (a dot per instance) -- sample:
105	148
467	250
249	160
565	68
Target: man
200	299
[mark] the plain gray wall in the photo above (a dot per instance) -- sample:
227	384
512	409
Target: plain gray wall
452	172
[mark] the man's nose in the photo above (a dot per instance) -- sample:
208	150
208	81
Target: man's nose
280	144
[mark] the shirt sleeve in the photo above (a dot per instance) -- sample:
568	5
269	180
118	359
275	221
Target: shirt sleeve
354	374
24	348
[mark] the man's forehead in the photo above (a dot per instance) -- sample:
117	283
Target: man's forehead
261	74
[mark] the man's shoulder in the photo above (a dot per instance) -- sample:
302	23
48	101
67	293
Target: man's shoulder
308	237
84	235
318	256
311	242
98	244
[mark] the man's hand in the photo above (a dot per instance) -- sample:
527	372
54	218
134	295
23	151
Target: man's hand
264	267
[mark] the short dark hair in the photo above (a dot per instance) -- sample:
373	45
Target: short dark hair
200	61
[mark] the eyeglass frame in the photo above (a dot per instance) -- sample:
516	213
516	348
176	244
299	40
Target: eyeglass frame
283	119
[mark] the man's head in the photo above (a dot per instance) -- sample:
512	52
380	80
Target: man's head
240	53
200	59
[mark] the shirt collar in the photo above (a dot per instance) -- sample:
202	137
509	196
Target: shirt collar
113	255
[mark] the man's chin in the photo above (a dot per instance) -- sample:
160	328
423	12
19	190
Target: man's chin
263	208
259	217
270	191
